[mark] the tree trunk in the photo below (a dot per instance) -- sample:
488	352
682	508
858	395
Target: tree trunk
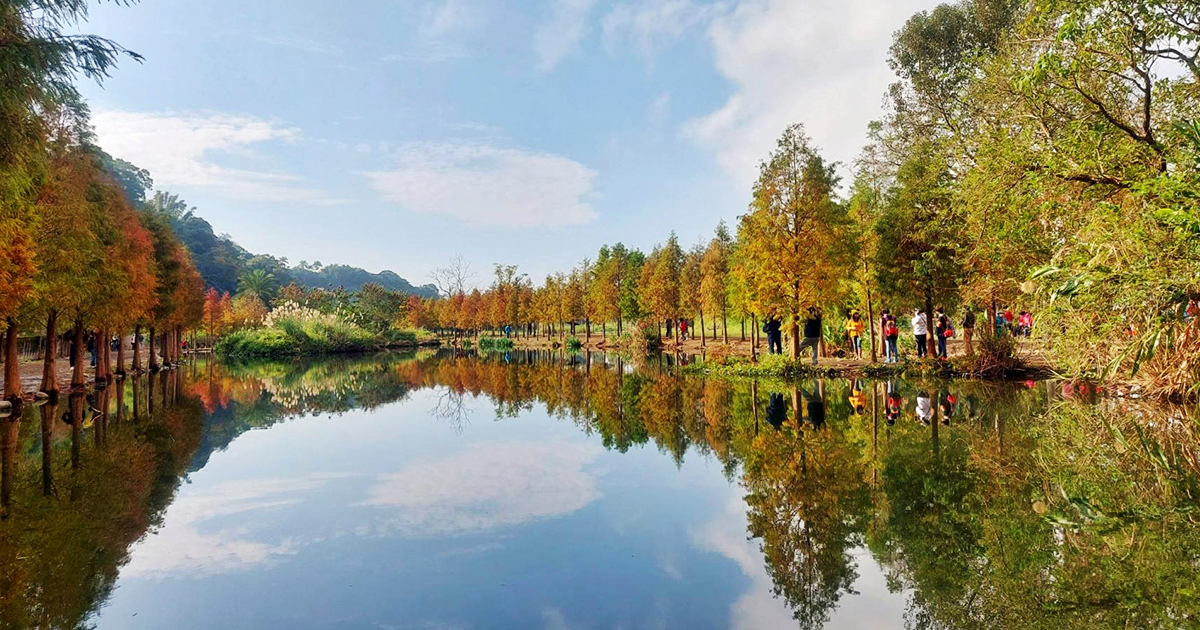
120	355
870	314
98	371
137	348
50	358
12	369
794	342
930	337
702	330
724	328
753	336
153	357
77	375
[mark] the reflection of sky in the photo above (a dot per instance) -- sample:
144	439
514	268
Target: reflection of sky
393	519
757	608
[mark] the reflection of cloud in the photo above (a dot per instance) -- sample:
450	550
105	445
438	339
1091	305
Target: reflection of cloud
486	486
874	607
181	549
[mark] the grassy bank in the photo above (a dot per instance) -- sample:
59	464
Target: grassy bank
293	331
779	366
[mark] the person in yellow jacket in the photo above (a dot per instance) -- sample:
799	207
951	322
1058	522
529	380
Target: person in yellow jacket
854	329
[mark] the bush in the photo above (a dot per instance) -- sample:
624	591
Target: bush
496	343
643	338
292	329
574	343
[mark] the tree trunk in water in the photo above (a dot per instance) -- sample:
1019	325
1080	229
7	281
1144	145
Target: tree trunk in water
8	458
137	349
50	358
77	375
12	369
153	357
49	411
120	355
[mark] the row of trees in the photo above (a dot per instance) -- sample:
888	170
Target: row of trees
1039	153
75	247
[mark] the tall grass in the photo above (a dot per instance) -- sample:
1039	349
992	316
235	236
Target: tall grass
295	330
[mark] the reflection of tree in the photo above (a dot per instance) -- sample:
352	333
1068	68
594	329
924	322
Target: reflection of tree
452	409
60	552
1017	514
807	503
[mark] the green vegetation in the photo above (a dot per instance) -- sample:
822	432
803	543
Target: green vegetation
223	263
501	344
293	329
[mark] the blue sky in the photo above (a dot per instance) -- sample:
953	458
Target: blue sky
399	133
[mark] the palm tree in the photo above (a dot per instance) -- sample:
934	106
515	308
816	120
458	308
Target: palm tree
259	283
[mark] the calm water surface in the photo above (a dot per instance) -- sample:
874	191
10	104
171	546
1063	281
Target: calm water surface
549	491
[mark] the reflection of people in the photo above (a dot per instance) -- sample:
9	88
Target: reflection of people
858	400
894	402
815	403
947	404
776	410
924	407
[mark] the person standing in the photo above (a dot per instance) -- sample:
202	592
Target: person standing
683	329
773	328
942	328
812	334
891	335
968	326
854	329
920	326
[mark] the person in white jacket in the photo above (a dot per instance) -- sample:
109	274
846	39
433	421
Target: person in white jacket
920	326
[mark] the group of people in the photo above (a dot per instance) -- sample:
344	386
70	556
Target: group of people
942	328
1019	326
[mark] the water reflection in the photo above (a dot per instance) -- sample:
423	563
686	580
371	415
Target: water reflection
855	503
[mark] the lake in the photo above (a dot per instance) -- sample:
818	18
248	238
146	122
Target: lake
550	490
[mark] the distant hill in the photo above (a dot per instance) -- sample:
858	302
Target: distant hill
352	278
221	261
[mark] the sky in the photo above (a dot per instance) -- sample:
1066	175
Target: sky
397	134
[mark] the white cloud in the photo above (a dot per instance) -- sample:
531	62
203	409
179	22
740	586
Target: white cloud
489	486
179	148
661	105
647	26
302	44
448	17
485	185
820	62
561	35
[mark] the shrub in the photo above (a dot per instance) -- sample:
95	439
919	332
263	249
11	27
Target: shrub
496	343
293	329
574	343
